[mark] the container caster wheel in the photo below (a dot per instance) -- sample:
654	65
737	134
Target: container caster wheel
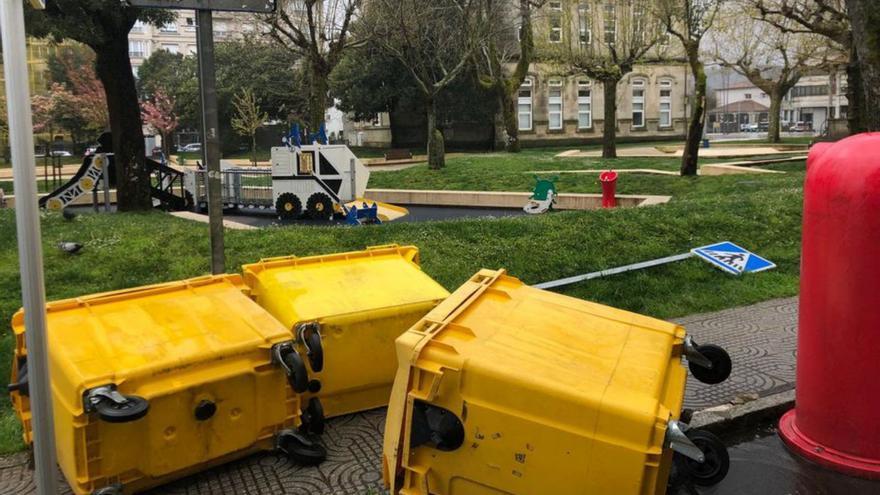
310	337
708	363
114	407
109	490
300	448
313	417
715	465
294	367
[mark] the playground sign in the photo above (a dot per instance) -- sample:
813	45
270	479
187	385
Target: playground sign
259	6
733	259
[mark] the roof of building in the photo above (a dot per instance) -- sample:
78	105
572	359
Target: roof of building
744	106
737	85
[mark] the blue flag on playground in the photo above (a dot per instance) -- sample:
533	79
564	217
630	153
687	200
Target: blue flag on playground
732	258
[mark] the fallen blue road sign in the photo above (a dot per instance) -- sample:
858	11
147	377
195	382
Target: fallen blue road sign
733	259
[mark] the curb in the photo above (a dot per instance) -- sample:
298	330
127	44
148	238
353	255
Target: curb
728	417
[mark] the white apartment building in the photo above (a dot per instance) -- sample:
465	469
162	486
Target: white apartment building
816	99
180	36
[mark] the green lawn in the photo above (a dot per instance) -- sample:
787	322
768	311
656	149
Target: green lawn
761	212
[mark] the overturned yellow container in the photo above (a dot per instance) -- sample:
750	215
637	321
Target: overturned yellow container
353	305
155	383
504	388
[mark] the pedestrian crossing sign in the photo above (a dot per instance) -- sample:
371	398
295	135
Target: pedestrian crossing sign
732	258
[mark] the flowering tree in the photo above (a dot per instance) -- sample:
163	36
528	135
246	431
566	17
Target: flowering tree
159	115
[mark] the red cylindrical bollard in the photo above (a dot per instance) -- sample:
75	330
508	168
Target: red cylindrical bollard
836	420
609	188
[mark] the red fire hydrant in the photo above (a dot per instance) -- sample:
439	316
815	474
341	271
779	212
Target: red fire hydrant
836	421
608	179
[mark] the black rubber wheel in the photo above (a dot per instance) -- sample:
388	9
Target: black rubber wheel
288	206
313	417
108	490
319	206
714	468
316	350
133	409
302	449
721	365
315	386
299	378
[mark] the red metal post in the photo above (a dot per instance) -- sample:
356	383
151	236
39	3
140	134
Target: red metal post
836	421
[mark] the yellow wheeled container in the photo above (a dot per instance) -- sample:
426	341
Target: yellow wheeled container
504	388
155	383
346	310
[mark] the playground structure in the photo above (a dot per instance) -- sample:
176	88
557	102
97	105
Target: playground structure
316	180
97	172
543	197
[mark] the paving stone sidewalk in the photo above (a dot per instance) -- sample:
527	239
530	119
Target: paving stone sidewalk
760	338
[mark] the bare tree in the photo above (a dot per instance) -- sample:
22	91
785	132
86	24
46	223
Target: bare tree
435	41
627	36
772	59
689	20
493	57
318	31
830	19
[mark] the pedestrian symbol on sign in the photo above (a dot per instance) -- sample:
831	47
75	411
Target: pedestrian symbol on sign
732	258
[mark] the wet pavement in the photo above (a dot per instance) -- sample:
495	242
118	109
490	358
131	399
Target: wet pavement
761	465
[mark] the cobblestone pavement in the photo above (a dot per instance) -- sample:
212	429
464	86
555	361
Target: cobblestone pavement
760	338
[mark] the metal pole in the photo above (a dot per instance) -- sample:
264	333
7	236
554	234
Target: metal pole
352	171
30	251
210	137
612	271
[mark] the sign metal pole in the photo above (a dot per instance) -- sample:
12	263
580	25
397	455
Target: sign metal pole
30	251
211	138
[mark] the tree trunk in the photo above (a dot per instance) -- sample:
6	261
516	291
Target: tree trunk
511	123
132	178
855	111
609	127
254	149
318	97
499	139
865	17
775	106
436	148
691	154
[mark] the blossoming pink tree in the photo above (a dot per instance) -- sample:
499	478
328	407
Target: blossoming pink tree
158	113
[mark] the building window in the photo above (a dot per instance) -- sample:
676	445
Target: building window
585	105
748	96
555	27
638	16
638	103
170	27
610	21
815	90
666	103
170	48
554	105
524	106
137	49
585	34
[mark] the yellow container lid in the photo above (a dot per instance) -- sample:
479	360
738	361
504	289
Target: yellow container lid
310	288
122	335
